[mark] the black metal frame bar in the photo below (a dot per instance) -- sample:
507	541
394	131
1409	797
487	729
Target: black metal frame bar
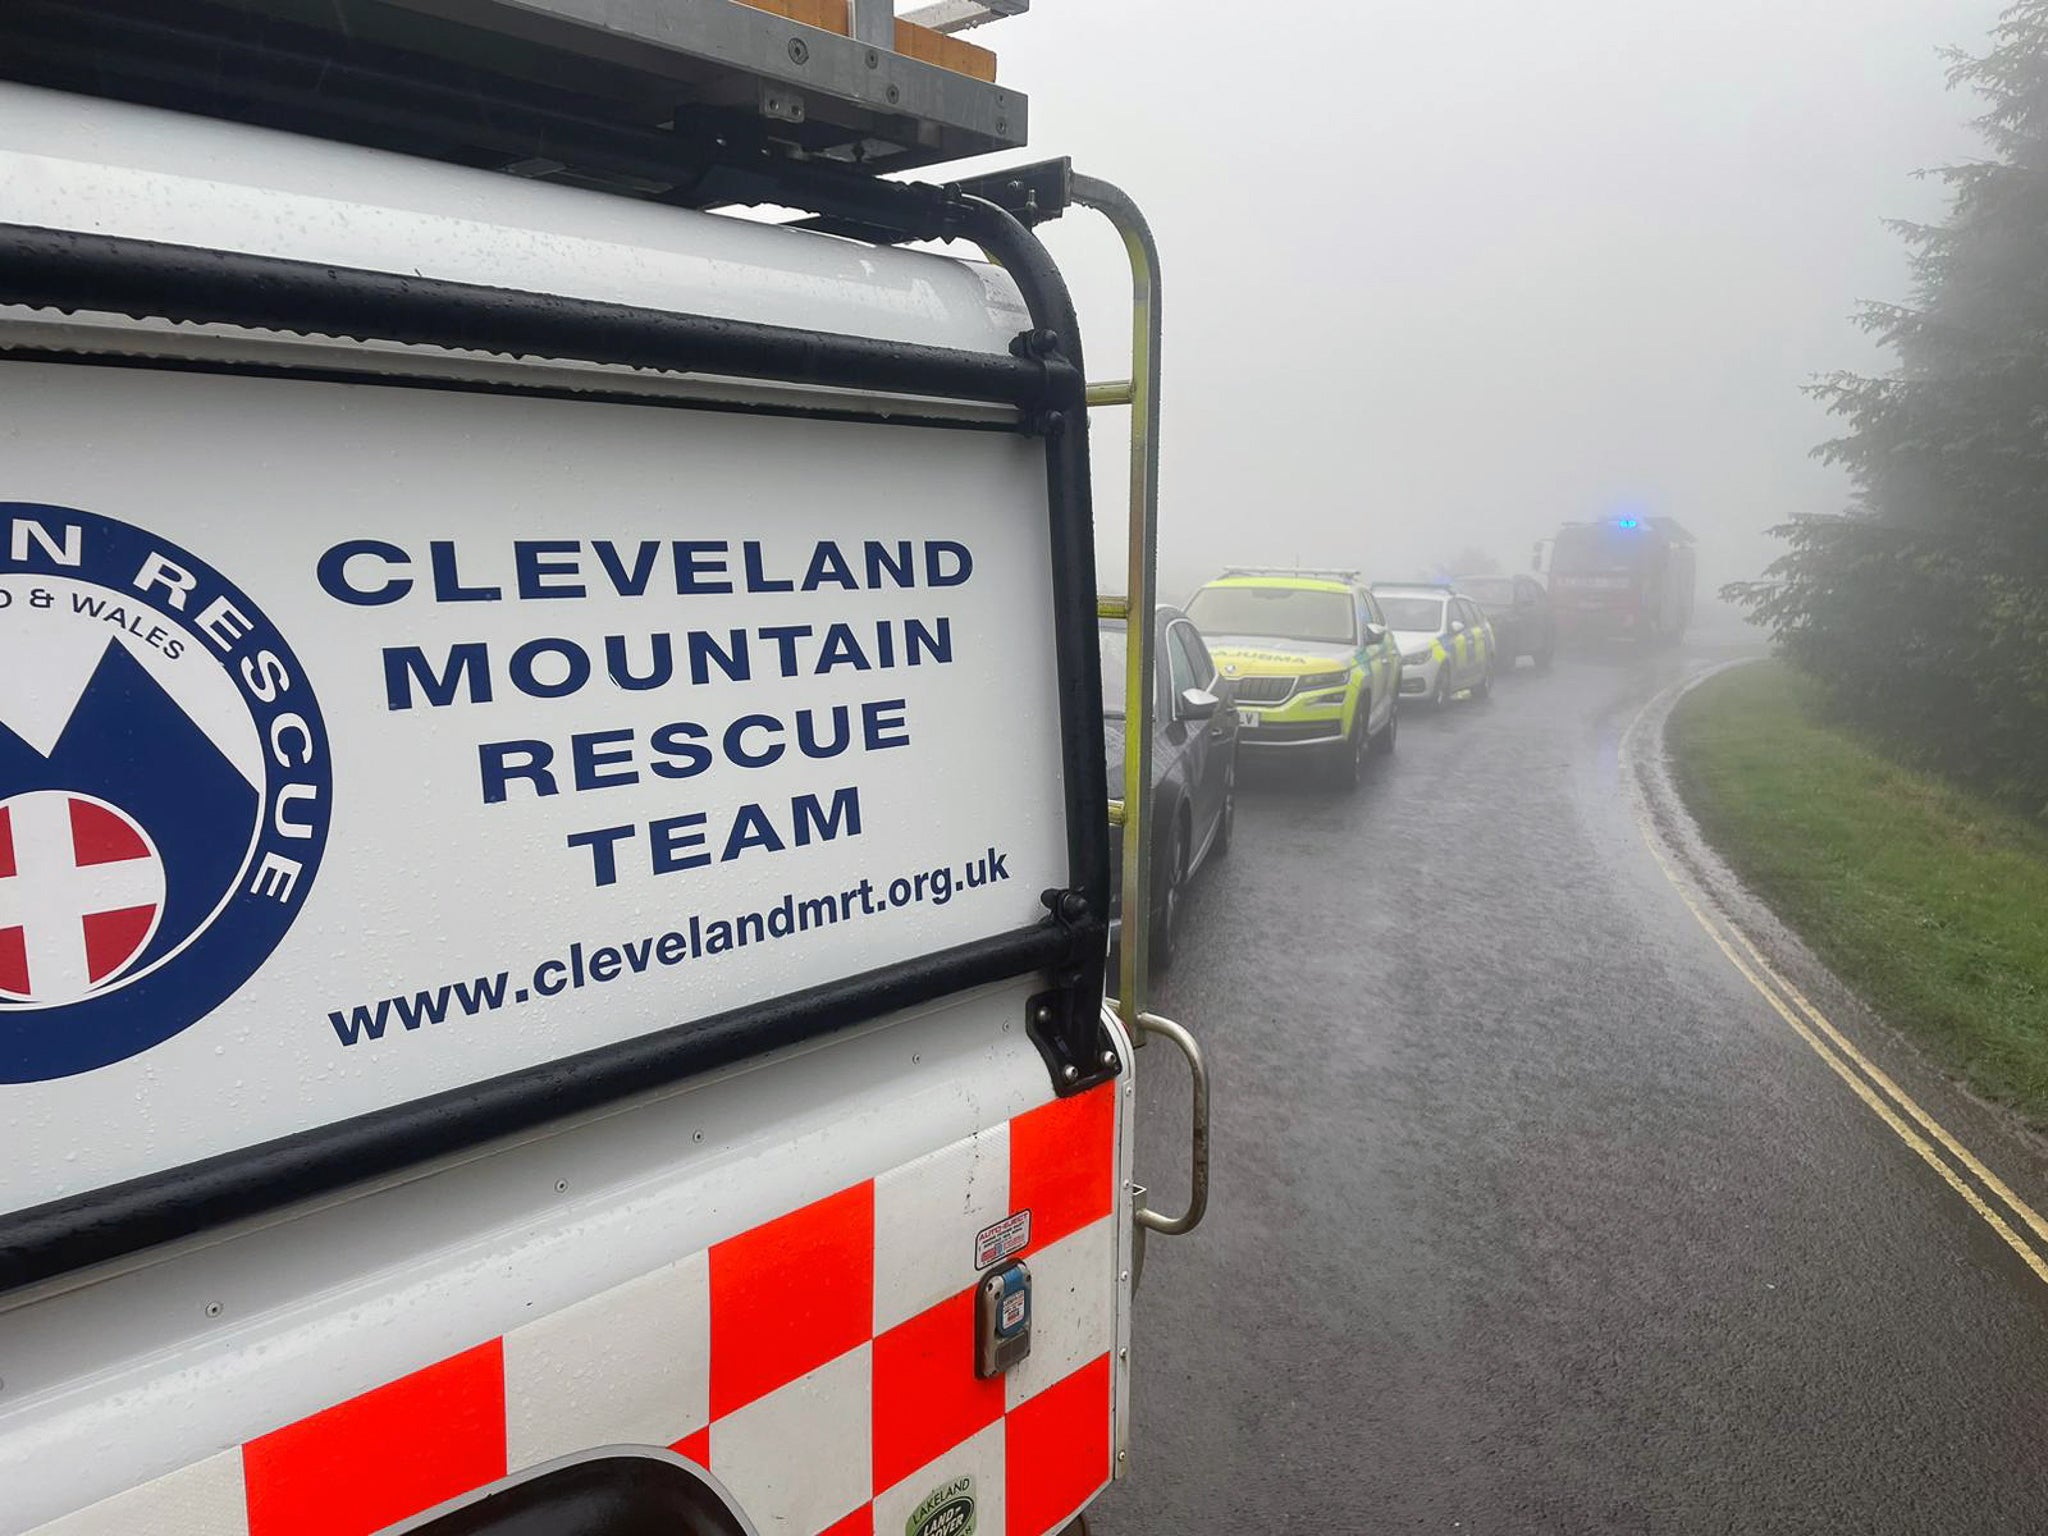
72	271
1043	379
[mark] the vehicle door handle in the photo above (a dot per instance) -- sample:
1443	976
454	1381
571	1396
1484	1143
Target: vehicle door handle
1198	1141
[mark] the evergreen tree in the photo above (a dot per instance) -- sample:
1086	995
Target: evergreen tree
1924	607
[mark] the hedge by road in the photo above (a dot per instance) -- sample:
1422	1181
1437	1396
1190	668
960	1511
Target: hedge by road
1930	901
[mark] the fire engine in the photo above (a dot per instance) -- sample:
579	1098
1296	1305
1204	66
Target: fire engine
1625	577
554	837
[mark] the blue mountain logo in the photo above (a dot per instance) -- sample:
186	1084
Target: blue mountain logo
129	743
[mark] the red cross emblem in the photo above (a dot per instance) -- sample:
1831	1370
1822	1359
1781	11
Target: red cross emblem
81	890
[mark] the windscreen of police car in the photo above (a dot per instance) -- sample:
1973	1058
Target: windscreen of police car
1316	615
1413	615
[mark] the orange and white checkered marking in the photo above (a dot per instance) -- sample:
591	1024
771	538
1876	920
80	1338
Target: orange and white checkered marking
845	1327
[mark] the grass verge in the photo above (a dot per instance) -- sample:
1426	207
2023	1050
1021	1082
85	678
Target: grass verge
1930	901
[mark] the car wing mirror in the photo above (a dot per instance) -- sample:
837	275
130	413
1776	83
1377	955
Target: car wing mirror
1457	626
1196	704
1374	634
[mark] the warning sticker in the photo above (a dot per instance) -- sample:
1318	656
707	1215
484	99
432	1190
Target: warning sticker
994	1244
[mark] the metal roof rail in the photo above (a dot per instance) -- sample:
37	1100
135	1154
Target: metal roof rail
679	101
951	16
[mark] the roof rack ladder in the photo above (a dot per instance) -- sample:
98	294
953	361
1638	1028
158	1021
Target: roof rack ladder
1131	813
1141	393
1034	193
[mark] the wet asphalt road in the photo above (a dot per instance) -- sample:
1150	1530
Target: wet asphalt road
1529	1214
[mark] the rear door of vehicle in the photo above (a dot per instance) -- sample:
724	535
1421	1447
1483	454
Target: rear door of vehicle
1483	643
531	841
1457	641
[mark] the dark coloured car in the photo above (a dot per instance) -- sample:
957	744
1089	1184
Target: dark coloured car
1523	623
1194	762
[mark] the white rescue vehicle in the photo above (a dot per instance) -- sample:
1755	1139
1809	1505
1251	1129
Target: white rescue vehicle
553	838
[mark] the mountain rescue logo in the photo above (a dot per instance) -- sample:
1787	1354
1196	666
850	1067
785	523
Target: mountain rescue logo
164	790
85	886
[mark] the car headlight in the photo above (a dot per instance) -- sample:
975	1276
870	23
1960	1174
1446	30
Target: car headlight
1417	658
1317	680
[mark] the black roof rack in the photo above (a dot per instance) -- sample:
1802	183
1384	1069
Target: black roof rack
683	101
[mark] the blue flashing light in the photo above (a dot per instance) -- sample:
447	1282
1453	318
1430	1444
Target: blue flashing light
1624	522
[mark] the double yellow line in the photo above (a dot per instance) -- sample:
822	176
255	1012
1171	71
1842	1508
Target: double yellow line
1913	1125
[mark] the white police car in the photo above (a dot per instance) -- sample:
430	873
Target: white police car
1446	641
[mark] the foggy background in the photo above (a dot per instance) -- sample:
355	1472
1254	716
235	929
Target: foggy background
1441	277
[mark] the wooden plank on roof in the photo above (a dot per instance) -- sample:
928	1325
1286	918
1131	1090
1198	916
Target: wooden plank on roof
912	40
915	42
826	15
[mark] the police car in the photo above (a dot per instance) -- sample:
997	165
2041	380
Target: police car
1446	641
1310	662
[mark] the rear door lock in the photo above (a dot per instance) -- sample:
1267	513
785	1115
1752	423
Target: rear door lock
1002	1318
